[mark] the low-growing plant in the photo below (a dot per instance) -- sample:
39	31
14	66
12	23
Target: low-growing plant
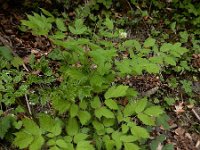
85	112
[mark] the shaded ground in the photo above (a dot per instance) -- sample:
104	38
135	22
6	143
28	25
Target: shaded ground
184	122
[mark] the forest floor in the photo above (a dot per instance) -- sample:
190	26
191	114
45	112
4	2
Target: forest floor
184	118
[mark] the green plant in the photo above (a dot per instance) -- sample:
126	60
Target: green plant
83	98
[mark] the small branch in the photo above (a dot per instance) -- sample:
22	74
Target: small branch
27	103
196	114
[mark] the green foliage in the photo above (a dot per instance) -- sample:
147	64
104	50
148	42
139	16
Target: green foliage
86	111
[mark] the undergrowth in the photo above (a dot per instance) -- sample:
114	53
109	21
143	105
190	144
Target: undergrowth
70	99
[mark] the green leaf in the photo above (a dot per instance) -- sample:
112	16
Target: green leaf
96	103
154	111
109	144
140	132
79	27
140	105
116	137
159	139
166	47
111	104
72	127
6	52
84	117
84	145
184	36
146	119
60	105
23	139
164	121
109	24
17	61
128	138
125	128
108	122
124	66
99	127
116	91
106	112
80	137
61	143
37	143
73	110
170	60
150	42
131	146
5	124
152	68
51	125
47	13
31	127
60	24
129	109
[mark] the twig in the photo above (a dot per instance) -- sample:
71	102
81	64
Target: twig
27	103
196	115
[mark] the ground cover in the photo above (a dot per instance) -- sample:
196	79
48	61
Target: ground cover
100	75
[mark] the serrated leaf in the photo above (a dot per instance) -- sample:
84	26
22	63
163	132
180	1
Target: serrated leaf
60	24
47	13
96	103
128	138
164	121
80	137
116	137
4	126
84	145
140	105
109	24
99	127
111	104
146	119
166	47
73	110
46	122
17	61
23	139
61	143
106	112
131	146
125	128
140	132
150	42
61	105
31	127
159	139
129	109
109	144
154	111
170	60
37	143
124	66
72	127
6	52
152	68
84	117
116	91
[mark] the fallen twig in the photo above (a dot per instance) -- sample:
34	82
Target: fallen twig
27	103
196	114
